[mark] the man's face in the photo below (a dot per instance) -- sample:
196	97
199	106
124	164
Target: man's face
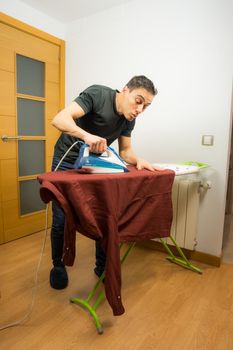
135	102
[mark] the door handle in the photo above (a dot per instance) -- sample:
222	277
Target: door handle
6	138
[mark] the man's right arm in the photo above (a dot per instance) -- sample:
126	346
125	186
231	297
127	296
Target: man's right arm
65	122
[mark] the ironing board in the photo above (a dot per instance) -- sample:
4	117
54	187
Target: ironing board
114	208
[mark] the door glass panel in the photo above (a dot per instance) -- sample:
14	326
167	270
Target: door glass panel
30	76
30	117
30	197
31	157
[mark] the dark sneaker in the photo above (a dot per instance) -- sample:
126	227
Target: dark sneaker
58	277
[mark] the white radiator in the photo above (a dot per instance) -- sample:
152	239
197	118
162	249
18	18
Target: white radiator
185	200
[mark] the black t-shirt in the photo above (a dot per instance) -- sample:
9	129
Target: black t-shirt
101	119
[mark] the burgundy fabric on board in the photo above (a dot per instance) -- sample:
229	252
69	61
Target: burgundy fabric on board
113	208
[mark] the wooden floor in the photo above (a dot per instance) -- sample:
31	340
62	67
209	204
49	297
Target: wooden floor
167	307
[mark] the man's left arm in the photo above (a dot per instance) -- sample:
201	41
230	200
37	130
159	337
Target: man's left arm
127	153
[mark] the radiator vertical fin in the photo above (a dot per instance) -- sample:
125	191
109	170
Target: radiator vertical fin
185	202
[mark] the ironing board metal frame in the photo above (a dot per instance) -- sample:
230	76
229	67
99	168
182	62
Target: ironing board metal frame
86	302
182	261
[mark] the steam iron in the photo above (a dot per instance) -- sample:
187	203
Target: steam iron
106	162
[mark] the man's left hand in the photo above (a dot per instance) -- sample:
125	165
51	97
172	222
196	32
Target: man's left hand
144	164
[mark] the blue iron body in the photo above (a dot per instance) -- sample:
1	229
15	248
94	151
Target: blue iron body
107	162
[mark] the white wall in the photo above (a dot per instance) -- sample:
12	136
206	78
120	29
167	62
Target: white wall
29	15
186	48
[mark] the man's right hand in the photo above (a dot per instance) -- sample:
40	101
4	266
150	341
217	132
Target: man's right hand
97	144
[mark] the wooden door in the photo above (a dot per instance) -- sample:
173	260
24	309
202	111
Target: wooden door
31	93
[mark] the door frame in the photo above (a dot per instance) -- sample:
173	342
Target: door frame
229	194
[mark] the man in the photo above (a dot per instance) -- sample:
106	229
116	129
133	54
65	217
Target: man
98	116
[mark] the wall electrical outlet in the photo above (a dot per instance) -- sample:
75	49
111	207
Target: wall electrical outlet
207	140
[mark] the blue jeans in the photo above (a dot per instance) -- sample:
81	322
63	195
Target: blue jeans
57	230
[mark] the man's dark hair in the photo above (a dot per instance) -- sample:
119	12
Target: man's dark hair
140	81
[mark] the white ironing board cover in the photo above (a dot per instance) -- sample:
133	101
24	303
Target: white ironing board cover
179	169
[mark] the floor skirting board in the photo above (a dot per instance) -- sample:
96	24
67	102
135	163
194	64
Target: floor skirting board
193	255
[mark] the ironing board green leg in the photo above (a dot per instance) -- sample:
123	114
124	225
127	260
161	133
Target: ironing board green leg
127	252
92	311
86	302
184	262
